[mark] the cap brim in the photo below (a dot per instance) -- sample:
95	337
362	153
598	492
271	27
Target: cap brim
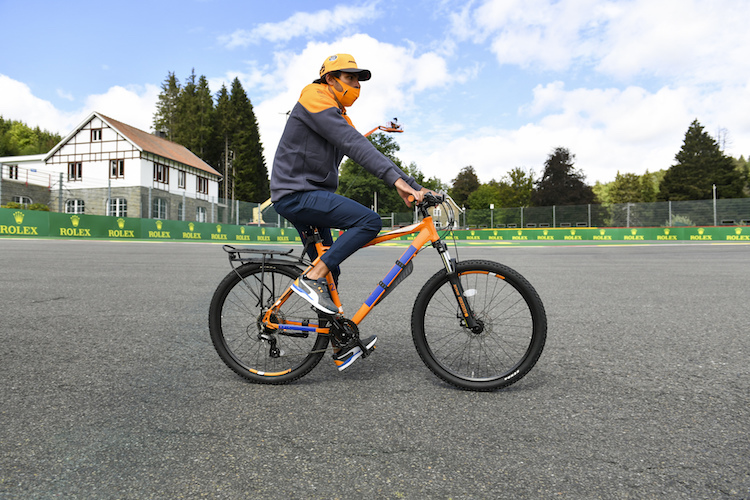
364	74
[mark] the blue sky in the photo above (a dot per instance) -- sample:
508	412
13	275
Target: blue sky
495	84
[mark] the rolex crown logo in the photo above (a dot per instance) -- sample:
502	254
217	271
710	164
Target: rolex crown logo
633	231
495	233
472	233
572	232
602	231
701	231
546	232
191	226
121	223
263	231
666	230
218	228
738	231
75	220
242	229
18	216
282	232
159	224
520	232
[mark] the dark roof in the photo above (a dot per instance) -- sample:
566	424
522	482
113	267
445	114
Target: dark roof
161	147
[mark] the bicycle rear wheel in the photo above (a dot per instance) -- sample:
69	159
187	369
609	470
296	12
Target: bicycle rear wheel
235	322
514	327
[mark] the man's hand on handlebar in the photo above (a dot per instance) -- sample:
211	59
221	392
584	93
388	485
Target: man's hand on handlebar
408	193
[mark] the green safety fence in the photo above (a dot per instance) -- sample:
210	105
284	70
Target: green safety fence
30	223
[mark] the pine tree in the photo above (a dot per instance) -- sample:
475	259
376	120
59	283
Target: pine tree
561	184
222	129
166	107
186	113
205	110
251	175
700	165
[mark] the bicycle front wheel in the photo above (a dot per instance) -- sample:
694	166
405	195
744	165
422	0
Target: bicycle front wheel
512	321
235	322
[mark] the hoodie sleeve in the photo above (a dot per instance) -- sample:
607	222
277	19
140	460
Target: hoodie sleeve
324	117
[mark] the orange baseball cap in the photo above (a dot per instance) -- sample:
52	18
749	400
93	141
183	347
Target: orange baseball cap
345	63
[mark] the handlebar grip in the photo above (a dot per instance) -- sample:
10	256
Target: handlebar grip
411	198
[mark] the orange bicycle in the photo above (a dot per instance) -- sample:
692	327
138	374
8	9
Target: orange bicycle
476	324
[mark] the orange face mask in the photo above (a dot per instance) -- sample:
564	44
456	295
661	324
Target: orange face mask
347	95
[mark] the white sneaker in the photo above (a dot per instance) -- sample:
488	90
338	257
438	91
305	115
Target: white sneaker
352	352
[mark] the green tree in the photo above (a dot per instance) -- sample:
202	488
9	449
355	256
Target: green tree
166	106
561	183
185	129
649	187
211	130
251	175
17	138
360	185
222	128
485	195
516	188
700	164
465	183
743	167
626	188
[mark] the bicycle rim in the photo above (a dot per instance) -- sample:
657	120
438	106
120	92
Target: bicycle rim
239	337
513	320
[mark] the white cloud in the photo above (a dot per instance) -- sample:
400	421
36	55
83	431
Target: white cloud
609	130
684	39
302	24
17	102
65	95
133	105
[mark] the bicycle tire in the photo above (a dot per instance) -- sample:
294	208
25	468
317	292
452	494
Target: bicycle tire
514	327
234	321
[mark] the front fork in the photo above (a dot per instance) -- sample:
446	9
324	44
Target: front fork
464	308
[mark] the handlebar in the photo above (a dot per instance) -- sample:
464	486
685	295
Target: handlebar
432	200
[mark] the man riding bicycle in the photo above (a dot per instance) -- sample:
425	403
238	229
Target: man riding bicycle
304	179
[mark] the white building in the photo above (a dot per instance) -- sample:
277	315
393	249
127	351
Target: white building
105	167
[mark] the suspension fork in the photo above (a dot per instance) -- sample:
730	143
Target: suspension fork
458	290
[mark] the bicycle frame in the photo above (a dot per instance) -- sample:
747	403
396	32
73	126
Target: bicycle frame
426	232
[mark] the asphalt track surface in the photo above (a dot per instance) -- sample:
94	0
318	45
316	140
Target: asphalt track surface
111	387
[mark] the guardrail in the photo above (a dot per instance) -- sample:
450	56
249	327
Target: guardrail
31	224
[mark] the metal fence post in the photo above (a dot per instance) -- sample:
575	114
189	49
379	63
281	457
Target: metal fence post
59	195
670	213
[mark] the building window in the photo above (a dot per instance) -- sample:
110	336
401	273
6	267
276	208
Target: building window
159	208
117	207
13	172
96	134
181	179
161	173
116	169
200	214
202	185
23	200
74	207
75	171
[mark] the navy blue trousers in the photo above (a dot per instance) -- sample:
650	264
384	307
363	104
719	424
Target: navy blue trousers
324	210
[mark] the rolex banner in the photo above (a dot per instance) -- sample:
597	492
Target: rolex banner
30	224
